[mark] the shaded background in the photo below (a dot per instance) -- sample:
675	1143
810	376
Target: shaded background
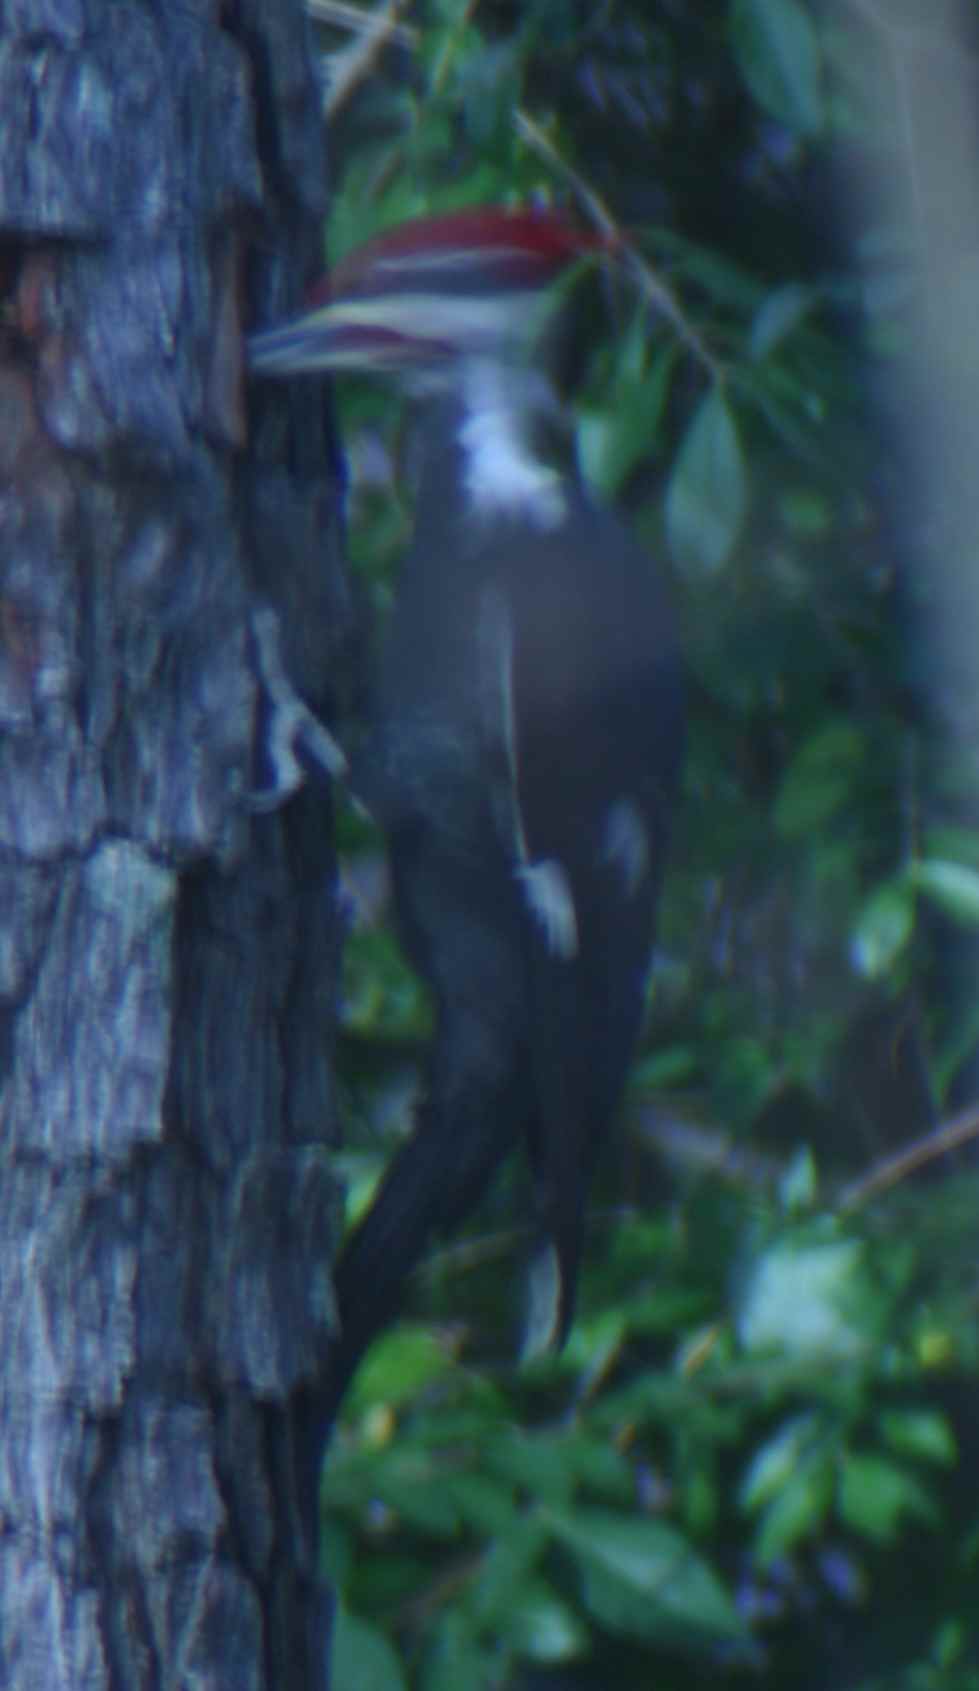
756	1460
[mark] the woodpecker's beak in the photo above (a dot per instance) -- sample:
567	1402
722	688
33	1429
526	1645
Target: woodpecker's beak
427	291
328	339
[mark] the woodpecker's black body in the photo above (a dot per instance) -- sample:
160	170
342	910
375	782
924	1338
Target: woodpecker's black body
523	763
529	721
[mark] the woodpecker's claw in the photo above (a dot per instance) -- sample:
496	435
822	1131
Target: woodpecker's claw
291	738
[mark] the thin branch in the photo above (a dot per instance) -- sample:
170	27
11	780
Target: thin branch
421	1607
693	1149
376	29
340	14
948	1137
443	63
651	286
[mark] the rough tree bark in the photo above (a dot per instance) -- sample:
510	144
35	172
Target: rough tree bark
168	940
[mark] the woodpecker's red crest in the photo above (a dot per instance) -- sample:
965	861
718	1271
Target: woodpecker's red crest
428	290
489	248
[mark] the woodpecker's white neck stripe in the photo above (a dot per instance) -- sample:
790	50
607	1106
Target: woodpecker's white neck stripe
501	475
439	318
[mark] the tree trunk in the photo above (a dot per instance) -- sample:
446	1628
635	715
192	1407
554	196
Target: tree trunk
170	932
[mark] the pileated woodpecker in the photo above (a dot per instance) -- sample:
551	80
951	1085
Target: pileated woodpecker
524	754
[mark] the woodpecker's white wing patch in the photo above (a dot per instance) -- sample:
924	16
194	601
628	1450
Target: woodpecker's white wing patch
545	884
551	902
543	1312
626	843
499	711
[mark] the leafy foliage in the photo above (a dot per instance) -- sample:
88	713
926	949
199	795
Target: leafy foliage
755	1459
706	1478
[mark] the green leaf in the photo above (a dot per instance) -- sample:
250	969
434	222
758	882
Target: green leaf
483	1504
600	1467
798	1510
808	1300
883	928
593	1344
399	1366
671	1066
537	1463
408	1482
805	511
455	1660
380	994
776	47
643	1577
614	439
951	1642
775	1463
507	1569
875	1494
958	845
782	311
923	1433
726	283
820	779
542	1628
744	1074
707	497
362	1656
954	887
666	1309
488	84
699	1496
957	1047
798	1186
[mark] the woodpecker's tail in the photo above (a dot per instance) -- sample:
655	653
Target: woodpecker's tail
561	1148
433	1182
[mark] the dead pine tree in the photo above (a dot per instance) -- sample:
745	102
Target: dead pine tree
171	605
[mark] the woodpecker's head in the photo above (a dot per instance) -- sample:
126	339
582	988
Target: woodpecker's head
429	294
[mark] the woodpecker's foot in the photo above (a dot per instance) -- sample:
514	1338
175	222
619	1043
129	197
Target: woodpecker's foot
289	739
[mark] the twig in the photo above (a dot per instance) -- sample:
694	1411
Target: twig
340	14
416	1610
651	286
374	29
443	63
949	1137
689	1148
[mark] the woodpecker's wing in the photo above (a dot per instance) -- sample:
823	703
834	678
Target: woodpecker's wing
585	729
